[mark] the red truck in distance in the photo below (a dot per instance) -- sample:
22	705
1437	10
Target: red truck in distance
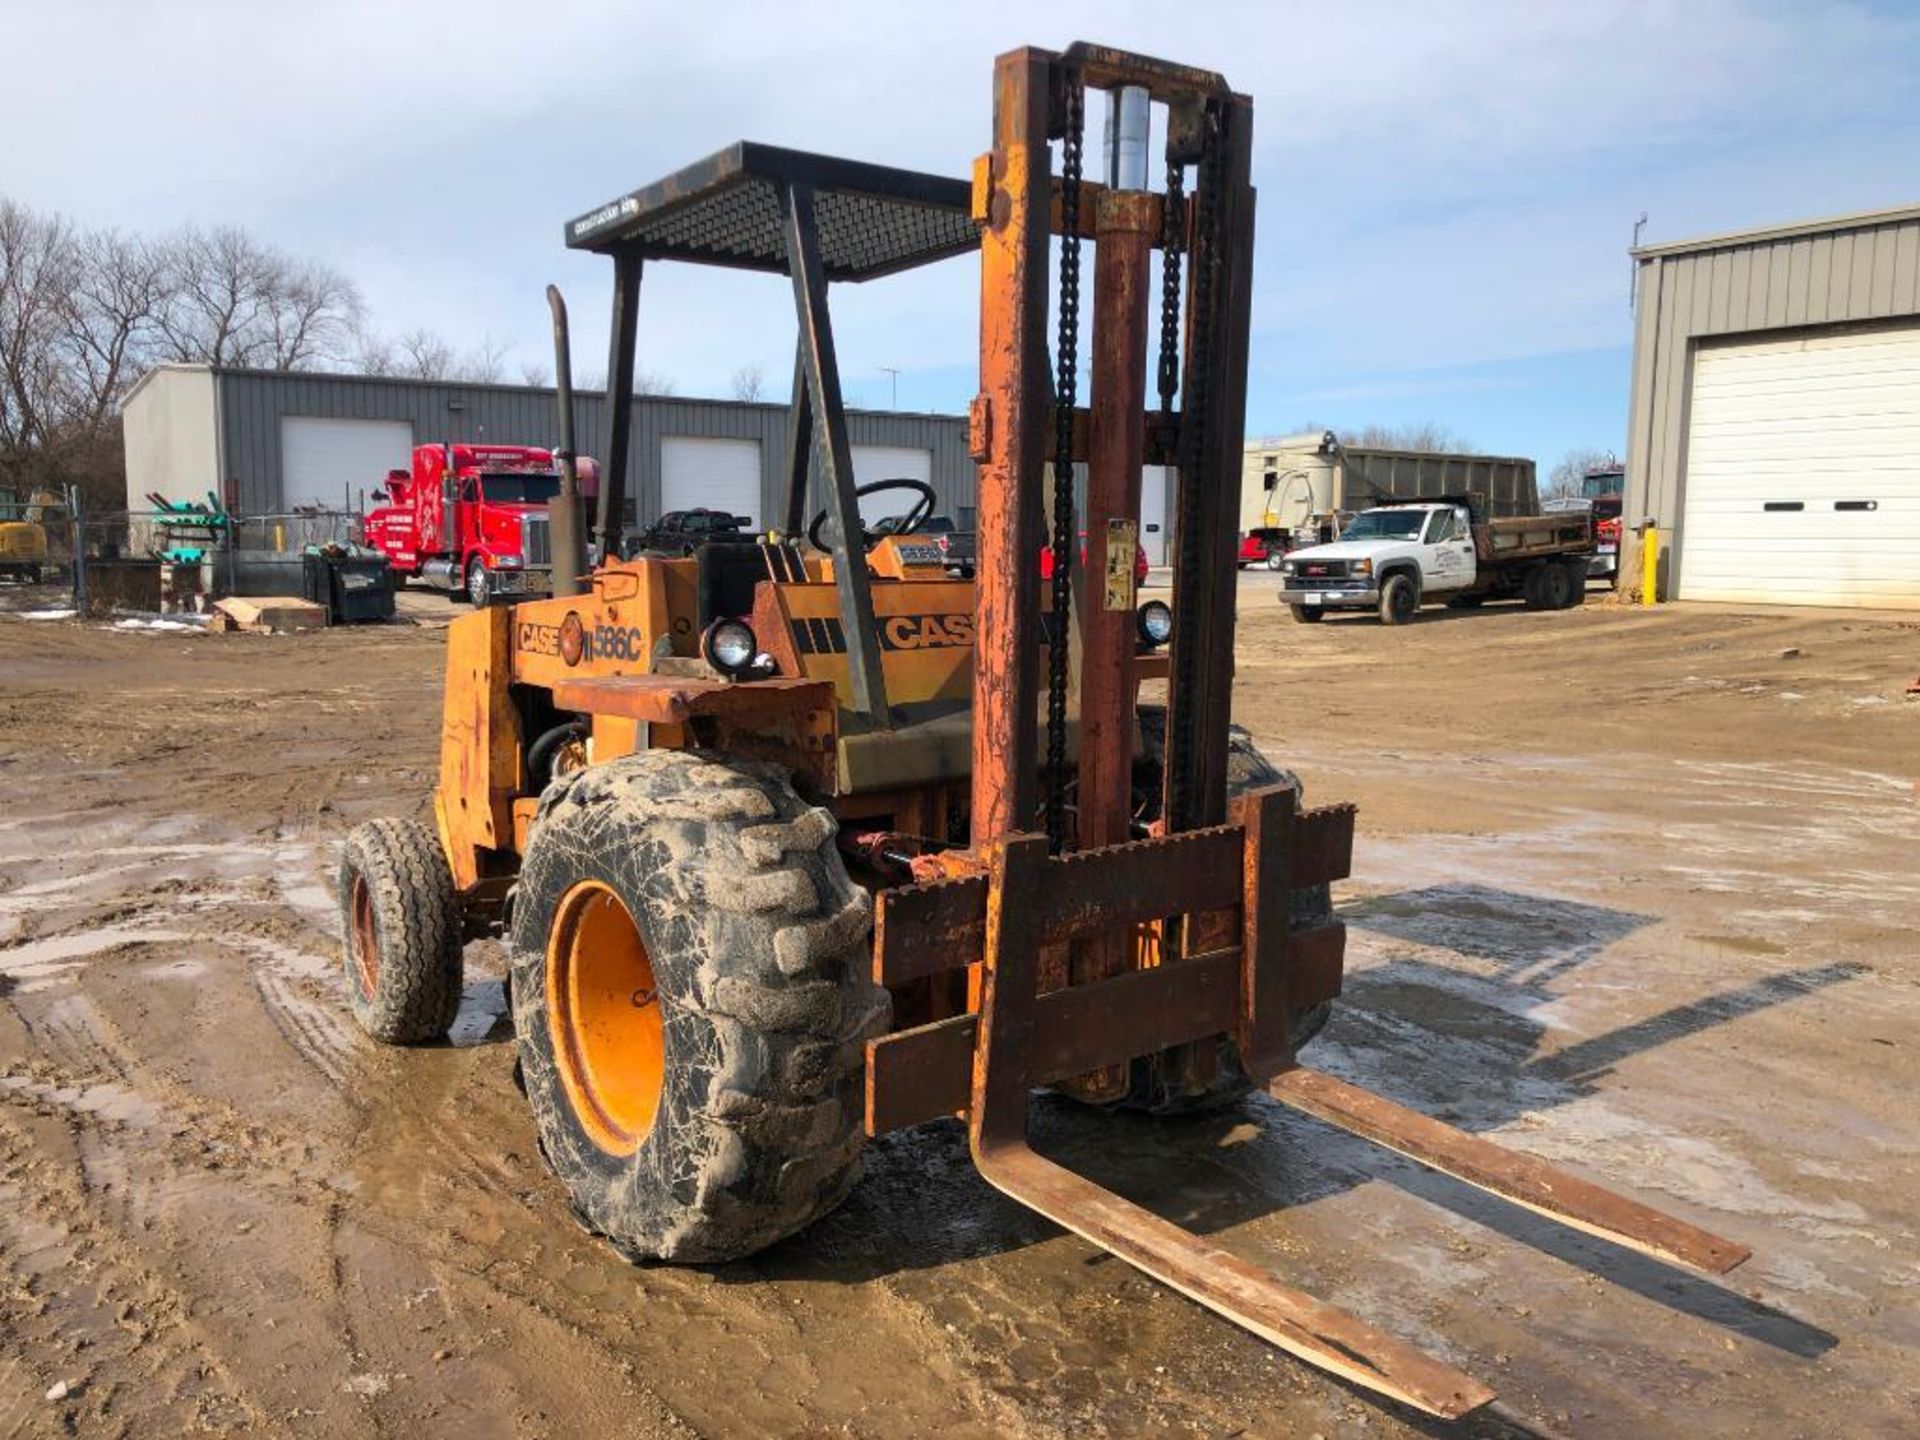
472	519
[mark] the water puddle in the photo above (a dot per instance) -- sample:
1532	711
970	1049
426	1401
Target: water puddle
36	963
116	1103
483	1012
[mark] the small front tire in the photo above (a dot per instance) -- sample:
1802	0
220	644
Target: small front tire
1399	599
1308	614
401	933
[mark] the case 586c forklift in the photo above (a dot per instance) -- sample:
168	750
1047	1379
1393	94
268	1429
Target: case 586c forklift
796	844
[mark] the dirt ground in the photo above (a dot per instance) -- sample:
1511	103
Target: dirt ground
1636	891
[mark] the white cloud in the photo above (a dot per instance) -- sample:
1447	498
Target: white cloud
1440	184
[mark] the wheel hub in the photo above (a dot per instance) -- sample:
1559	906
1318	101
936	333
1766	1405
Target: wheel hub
365	941
603	1008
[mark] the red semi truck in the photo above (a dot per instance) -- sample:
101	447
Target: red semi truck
472	519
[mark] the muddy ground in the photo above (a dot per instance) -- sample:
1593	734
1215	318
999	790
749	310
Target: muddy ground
1635	891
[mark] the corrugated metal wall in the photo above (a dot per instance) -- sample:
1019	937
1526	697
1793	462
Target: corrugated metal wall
1855	272
253	402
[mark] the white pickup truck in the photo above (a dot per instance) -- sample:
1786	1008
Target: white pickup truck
1399	556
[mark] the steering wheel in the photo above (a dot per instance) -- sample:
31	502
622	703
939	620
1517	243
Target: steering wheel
910	524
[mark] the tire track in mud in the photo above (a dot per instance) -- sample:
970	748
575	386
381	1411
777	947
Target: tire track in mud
86	1307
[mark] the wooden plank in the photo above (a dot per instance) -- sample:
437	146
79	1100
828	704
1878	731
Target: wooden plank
1523	1179
272	613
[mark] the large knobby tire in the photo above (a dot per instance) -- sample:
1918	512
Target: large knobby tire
691	998
1399	599
401	932
1153	1086
1308	614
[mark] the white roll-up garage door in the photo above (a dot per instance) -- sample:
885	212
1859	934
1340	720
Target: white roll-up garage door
889	462
1153	513
1803	472
321	461
699	473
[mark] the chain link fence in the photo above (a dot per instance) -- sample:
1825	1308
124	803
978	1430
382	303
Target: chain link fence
165	559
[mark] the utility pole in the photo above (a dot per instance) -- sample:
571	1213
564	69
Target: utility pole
893	374
1633	274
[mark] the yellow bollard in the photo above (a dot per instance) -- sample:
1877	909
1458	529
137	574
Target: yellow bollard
279	536
1650	564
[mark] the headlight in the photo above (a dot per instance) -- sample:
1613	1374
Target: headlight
505	562
1363	567
729	646
1287	567
1154	620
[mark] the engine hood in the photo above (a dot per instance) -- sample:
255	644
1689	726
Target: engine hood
1347	550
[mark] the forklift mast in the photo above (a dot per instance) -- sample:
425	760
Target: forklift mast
1019	422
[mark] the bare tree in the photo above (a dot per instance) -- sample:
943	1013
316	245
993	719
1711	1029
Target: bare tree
1566	479
314	314
113	316
233	299
1426	436
652	382
420	354
485	364
37	263
535	372
750	383
221	288
372	354
77	312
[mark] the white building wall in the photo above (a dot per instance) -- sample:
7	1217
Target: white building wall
171	425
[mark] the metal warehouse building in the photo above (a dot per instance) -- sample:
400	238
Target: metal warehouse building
269	441
1774	431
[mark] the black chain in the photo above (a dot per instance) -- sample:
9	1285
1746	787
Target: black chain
1172	237
1065	393
1193	449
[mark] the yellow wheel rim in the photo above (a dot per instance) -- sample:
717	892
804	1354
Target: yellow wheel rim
609	1035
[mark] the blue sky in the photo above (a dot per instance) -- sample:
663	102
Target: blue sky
1446	191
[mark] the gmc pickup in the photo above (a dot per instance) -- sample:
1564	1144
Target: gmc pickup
1397	557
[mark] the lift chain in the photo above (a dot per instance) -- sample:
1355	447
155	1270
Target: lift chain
1065	393
1172	237
1180	802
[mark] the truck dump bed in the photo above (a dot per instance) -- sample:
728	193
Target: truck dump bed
1532	537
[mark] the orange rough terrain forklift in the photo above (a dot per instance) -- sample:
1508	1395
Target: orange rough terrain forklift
800	841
